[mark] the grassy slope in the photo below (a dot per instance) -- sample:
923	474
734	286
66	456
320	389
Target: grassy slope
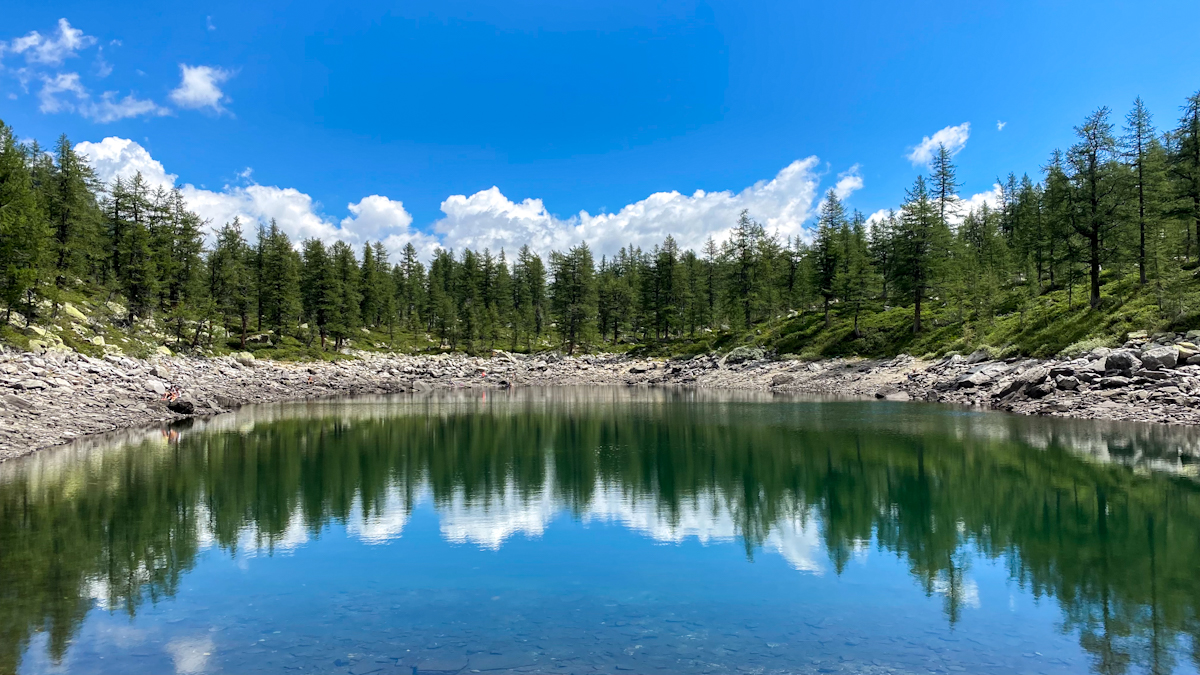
1046	327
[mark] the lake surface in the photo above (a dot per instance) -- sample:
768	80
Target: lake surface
605	531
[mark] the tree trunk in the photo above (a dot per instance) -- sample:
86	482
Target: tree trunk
1094	263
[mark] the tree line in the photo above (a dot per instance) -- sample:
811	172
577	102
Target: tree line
1123	199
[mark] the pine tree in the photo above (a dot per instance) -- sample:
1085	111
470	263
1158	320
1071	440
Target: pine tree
1184	166
1138	145
230	276
856	280
73	211
1096	184
320	291
943	184
826	250
278	278
346	298
921	243
23	229
573	295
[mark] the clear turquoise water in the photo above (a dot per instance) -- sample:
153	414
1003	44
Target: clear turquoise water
605	530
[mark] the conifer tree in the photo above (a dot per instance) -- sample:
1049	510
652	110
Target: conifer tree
826	250
921	243
573	295
347	299
23	227
1096	182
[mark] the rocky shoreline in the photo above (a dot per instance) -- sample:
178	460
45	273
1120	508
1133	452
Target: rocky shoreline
59	396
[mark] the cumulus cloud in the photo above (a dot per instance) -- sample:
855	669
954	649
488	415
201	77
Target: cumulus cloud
490	219
51	50
994	198
65	93
954	138
114	158
1000	125
848	182
199	87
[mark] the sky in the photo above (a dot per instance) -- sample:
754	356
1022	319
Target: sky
456	123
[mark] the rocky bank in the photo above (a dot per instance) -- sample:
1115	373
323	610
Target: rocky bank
53	398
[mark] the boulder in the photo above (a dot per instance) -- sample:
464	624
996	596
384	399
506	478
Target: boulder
1034	376
637	369
161	371
1160	358
1039	390
782	379
1067	382
182	406
979	355
244	358
1193	360
32	384
1123	361
226	401
71	311
743	354
1114	382
973	380
155	387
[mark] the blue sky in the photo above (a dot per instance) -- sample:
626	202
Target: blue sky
412	112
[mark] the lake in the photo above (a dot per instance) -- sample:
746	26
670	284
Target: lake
605	531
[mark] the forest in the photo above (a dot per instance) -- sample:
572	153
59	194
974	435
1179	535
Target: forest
1101	240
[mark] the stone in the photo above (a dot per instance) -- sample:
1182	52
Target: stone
973	380
1114	382
14	401
1123	361
98	340
1154	374
155	387
1067	383
637	369
244	358
182	406
421	385
32	384
1159	358
743	354
226	401
1039	390
73	312
1098	353
163	349
979	355
1034	375
1193	360
161	371
782	379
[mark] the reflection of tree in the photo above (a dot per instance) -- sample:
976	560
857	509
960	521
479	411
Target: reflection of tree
1117	549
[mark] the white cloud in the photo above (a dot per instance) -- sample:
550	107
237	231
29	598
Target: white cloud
51	50
377	218
954	138
489	219
63	83
993	198
849	181
208	23
1000	125
120	157
64	93
198	88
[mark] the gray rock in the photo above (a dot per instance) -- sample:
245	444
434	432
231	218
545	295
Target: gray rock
1098	353
743	354
1039	390
161	371
155	387
1160	357
32	384
978	356
637	369
1193	360
244	358
1034	376
782	379
1067	382
1114	382
14	401
1123	361
182	406
421	385
226	401
972	381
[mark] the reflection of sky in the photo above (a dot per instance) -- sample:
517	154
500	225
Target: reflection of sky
490	521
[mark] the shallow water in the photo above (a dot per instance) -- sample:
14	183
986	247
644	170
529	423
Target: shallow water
605	530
